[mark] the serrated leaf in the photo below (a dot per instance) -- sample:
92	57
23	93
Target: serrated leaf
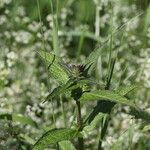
59	90
146	128
70	85
55	135
106	95
54	67
125	89
106	107
18	118
66	145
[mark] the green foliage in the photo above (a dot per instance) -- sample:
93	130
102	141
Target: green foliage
125	89
94	122
106	95
94	52
18	118
54	67
66	145
55	135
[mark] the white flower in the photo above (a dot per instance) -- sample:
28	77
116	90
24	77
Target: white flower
22	37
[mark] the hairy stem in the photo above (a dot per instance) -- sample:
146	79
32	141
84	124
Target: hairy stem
79	123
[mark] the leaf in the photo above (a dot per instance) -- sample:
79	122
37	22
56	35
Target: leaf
70	85
105	107
27	138
55	135
92	59
146	128
140	114
66	145
125	89
106	95
54	67
95	121
59	90
18	118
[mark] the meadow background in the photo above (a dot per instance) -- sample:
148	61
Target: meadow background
72	29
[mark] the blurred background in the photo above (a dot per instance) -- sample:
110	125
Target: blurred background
72	29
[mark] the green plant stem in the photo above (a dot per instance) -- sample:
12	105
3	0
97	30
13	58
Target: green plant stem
110	104
103	133
79	123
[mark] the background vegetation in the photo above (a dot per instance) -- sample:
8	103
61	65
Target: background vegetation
72	29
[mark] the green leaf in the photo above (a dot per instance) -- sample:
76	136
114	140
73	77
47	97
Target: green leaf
66	145
92	59
54	66
146	128
106	107
95	121
70	85
136	112
55	135
18	118
140	114
125	89
59	90
106	95
27	138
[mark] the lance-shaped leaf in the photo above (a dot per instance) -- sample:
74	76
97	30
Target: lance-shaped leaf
54	66
18	118
101	107
95	121
125	89
92	59
70	85
54	136
66	145
106	95
136	112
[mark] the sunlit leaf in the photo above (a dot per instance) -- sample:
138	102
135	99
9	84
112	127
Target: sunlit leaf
54	67
125	89
55	135
95	121
106	95
66	145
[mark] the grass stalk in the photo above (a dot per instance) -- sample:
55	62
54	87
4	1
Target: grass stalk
97	21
